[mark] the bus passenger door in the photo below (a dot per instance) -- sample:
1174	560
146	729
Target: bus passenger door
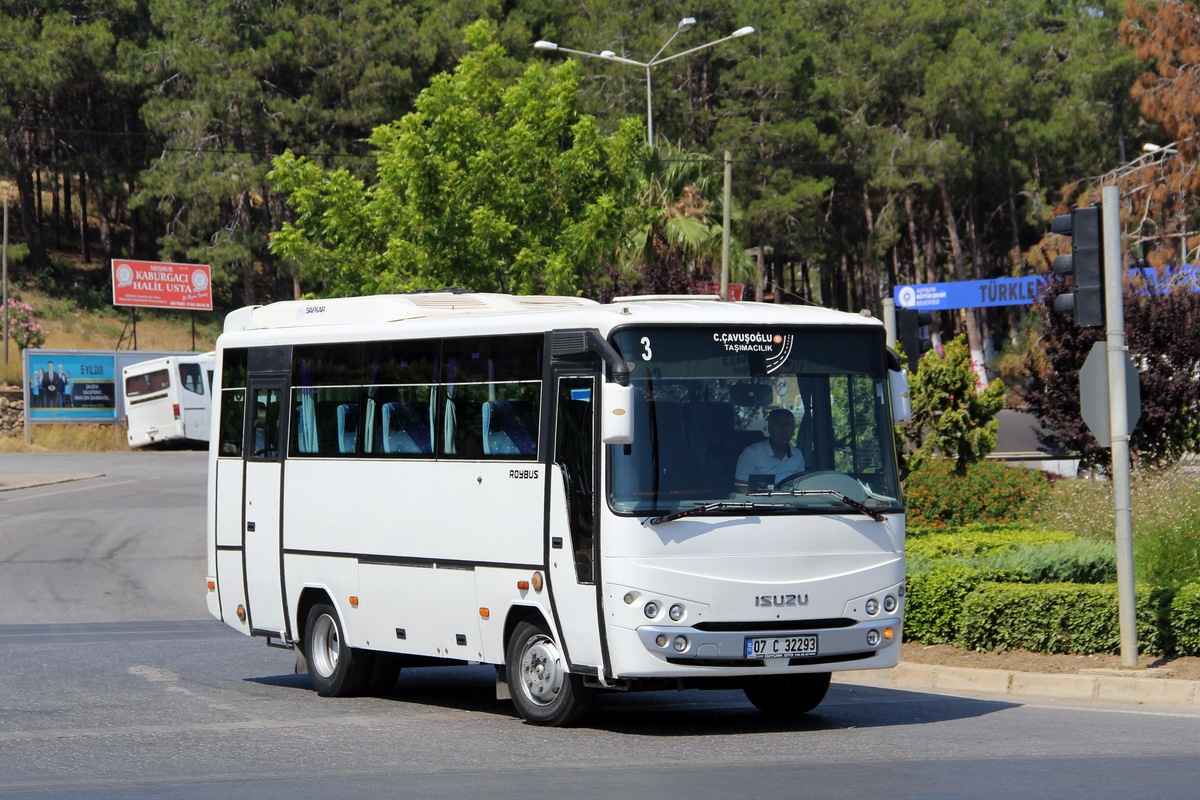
262	533
571	520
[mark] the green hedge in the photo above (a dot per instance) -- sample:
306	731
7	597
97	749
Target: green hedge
1185	619
934	599
1061	618
973	541
1077	561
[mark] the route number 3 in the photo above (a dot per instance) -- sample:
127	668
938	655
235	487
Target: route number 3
647	353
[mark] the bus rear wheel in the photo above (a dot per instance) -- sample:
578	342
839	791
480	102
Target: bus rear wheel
542	689
788	695
336	669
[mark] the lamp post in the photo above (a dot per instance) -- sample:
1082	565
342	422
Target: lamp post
685	24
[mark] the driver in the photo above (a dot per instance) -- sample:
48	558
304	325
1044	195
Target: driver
773	457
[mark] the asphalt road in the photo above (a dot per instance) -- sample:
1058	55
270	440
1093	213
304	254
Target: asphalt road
114	684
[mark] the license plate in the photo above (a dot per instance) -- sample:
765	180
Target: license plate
781	646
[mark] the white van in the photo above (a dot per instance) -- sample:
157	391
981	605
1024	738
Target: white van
169	398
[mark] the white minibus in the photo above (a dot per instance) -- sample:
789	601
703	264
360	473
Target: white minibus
654	492
168	399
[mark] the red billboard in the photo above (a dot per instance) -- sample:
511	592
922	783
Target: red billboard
713	287
154	284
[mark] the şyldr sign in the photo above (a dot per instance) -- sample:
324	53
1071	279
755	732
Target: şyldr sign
155	284
969	294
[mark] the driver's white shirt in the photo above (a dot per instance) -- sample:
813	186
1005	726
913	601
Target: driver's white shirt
760	459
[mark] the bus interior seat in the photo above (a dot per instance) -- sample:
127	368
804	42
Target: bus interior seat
505	431
347	422
406	429
714	446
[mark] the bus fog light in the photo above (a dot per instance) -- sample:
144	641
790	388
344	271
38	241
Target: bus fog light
676	612
872	606
872	638
681	643
661	640
889	604
651	610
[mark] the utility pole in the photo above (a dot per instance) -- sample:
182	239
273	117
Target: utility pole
726	226
1119	421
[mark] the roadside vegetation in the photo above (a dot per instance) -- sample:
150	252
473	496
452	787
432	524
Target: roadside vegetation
1041	575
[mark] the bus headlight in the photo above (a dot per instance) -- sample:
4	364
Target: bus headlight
889	604
676	612
872	607
651	610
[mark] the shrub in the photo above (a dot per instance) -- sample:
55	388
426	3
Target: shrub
934	598
938	497
973	541
1185	619
1060	618
1075	561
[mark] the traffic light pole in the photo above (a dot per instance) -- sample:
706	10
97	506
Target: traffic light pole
1119	422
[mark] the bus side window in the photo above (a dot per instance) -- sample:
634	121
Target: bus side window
233	410
233	402
265	427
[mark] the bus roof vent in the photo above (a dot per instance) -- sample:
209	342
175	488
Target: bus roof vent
537	301
450	301
645	298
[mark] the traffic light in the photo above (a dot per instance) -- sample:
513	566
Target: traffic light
1085	265
908	331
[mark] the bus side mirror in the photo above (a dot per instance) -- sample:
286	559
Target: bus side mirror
898	389
616	414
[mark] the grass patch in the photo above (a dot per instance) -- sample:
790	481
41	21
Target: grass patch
67	439
1166	521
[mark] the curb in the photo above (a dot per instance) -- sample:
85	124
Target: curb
11	483
1106	686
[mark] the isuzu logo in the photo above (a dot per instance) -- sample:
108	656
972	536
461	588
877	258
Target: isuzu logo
780	600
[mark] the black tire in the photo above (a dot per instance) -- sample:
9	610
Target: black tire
785	696
385	670
542	690
336	670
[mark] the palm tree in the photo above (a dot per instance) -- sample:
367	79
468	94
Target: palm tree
678	240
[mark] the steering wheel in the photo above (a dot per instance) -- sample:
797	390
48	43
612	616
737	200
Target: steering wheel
827	479
779	484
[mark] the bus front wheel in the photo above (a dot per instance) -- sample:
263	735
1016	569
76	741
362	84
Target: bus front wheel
788	695
542	689
336	669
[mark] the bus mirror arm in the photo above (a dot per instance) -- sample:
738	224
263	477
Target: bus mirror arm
570	343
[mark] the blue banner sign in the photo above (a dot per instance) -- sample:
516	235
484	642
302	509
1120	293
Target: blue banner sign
1187	275
969	294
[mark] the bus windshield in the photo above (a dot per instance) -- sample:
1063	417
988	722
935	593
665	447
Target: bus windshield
756	421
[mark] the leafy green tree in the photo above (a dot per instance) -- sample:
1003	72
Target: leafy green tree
951	417
496	182
53	65
1162	333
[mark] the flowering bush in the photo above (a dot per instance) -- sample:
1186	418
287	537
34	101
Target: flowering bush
23	325
938	496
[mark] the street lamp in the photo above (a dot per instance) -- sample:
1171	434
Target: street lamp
685	24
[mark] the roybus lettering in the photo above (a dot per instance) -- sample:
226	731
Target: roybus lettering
523	474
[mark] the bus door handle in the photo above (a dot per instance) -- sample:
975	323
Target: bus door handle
250	527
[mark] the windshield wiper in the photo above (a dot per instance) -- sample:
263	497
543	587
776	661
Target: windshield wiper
857	506
720	505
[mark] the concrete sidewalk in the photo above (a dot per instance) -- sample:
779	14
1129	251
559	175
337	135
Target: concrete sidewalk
1133	687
